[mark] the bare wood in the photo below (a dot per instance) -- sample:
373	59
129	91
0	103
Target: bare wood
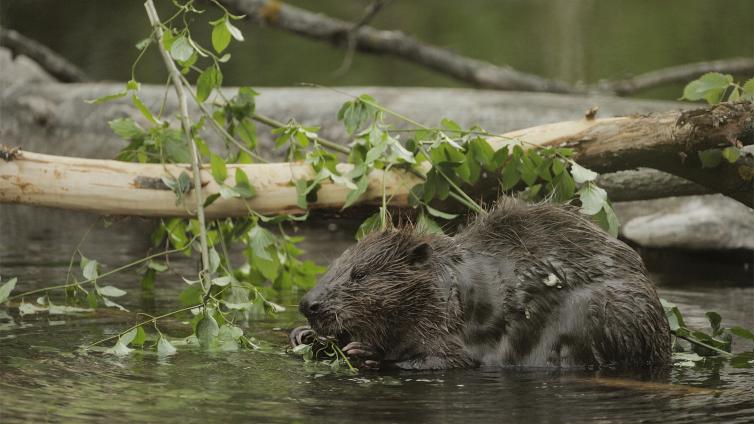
121	188
665	141
53	63
371	40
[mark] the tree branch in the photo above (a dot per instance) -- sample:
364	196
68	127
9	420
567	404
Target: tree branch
667	141
53	63
370	40
369	13
180	91
678	74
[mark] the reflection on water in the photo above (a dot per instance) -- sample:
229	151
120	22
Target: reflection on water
43	378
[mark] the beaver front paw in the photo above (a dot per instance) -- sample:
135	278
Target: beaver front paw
363	355
302	335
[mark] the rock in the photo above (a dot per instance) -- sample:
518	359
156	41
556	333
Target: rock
709	222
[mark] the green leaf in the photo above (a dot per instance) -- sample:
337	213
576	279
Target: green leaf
128	337
301	193
220	36
110	291
235	32
89	268
143	109
165	348
126	128
361	187
582	175
593	199
243	186
440	214
223	281
426	225
742	332
451	125
107	98
710	158
259	240
7	288
211	199
714	322
373	223
564	187
748	90
140	337
731	154
119	349
511	177
219	169
210	79
181	49
709	87
608	220
207	330
191	295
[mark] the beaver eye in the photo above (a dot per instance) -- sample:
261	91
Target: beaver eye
358	274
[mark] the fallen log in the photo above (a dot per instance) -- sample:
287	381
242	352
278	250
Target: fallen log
665	141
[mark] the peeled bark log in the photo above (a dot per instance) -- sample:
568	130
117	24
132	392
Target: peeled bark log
111	187
667	141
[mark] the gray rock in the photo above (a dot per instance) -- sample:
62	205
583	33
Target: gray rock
709	222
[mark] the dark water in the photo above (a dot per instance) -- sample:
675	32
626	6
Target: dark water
43	378
571	40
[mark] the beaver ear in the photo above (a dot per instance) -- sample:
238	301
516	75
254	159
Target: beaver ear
420	254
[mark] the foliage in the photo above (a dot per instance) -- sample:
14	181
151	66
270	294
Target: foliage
715	88
718	341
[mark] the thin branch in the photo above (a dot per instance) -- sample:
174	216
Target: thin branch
369	13
186	124
368	39
55	64
678	74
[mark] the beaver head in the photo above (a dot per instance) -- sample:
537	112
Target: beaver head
382	291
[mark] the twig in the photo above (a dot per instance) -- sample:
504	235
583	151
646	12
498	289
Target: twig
55	64
325	142
186	124
220	128
369	13
116	270
153	319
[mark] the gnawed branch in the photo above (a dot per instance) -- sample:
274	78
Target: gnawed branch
666	141
55	64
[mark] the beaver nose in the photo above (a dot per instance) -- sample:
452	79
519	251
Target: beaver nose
309	308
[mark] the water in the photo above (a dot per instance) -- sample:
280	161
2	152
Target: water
43	378
570	40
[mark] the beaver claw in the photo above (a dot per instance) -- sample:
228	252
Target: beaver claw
302	335
362	352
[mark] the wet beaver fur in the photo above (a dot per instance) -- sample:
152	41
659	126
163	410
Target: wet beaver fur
529	285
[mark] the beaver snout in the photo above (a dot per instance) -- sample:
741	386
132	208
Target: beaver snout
309	309
309	306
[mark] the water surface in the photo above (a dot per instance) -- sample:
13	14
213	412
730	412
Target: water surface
44	378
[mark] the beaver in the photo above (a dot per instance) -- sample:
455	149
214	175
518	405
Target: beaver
523	284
